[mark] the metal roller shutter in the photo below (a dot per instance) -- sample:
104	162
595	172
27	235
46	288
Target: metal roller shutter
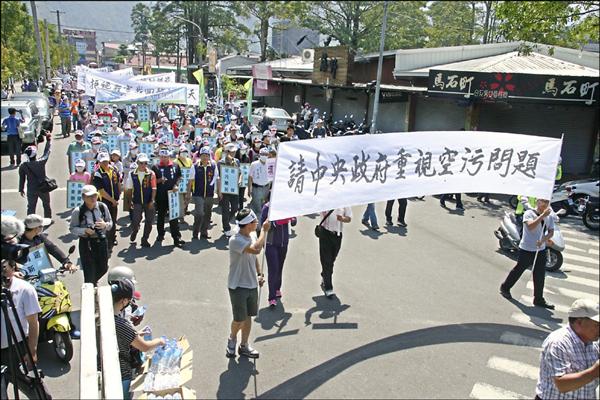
438	114
577	124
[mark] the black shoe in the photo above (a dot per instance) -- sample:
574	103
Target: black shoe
179	243
160	238
505	293
544	304
365	223
205	236
442	204
389	222
145	243
402	224
133	237
248	351
460	207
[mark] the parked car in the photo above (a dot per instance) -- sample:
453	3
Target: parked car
42	104
279	116
32	125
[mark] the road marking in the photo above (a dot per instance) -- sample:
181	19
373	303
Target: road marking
577	280
520	340
576	294
558	307
594	252
573	248
585	270
514	367
575	257
591	242
485	391
5	191
577	234
536	322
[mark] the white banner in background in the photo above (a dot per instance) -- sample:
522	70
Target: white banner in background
84	72
323	174
176	95
167	77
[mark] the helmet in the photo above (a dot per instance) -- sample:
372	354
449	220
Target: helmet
121	272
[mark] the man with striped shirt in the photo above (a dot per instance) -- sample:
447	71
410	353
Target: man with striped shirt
569	363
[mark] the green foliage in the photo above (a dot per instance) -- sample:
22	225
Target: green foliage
19	57
452	23
229	85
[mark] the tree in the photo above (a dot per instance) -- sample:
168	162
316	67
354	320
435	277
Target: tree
406	26
452	23
563	23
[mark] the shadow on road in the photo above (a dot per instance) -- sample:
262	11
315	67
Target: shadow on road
234	380
539	316
302	385
49	363
329	308
274	317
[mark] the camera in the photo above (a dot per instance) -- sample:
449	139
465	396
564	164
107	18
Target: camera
14	252
99	232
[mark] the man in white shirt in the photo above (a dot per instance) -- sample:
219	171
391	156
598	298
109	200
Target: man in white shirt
258	181
330	241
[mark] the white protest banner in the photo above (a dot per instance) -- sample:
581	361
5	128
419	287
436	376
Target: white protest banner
323	174
173	205
37	259
271	162
84	72
176	95
74	198
167	77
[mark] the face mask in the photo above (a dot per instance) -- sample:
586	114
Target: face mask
127	130
80	140
79	169
133	151
263	159
95	146
139	134
114	124
166	125
130	119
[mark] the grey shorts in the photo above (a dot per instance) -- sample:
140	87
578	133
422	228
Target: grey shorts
244	303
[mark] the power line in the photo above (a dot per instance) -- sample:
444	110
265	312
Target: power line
97	29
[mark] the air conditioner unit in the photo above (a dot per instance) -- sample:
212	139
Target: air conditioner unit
308	55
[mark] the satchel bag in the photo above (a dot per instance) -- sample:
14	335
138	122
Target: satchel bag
319	228
46	185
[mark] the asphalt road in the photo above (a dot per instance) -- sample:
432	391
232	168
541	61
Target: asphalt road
417	312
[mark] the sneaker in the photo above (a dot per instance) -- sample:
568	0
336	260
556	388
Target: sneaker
272	303
505	293
389	222
329	293
402	224
228	233
375	228
75	334
230	349
248	351
146	243
543	303
365	223
278	294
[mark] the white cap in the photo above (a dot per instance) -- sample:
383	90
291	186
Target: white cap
204	150
231	147
585	308
115	119
103	157
133	145
183	149
116	151
142	157
35	221
164	153
89	190
79	163
96	140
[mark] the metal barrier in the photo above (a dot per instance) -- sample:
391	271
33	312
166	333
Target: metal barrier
97	322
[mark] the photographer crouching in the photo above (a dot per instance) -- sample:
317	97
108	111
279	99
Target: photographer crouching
20	309
90	223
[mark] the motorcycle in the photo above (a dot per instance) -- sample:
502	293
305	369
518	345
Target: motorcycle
590	211
567	195
509	238
55	303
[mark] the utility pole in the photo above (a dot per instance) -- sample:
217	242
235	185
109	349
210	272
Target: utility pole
379	67
48	64
38	41
58	12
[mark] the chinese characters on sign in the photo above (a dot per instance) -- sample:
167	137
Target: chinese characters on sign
245	171
74	198
146	148
37	260
229	179
111	142
75	155
143	112
185	178
502	86
173	205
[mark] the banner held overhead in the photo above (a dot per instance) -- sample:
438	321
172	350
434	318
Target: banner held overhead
322	174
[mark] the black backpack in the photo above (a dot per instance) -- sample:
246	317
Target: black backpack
83	208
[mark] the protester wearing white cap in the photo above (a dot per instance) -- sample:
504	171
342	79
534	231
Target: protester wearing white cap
319	131
258	181
78	146
168	176
114	129
127	135
229	202
129	163
201	186
141	185
90	222
107	181
80	174
569	365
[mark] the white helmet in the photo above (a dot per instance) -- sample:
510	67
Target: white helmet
121	272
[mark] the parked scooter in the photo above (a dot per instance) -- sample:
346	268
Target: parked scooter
509	238
55	303
567	195
589	208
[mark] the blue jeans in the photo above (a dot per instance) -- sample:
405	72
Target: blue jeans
126	384
369	214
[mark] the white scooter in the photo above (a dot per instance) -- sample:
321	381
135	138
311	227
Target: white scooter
509	239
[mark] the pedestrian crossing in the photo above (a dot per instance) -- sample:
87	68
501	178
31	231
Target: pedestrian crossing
578	278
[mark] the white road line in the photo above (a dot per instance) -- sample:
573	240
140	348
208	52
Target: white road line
513	367
568	247
558	307
590	242
5	191
536	322
485	391
594	252
576	294
575	280
585	270
575	257
520	340
577	234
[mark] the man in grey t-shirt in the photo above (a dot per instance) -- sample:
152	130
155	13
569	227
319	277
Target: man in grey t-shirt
243	282
535	224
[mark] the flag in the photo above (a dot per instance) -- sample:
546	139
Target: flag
248	87
199	75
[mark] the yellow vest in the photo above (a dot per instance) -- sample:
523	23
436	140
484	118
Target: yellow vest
520	208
